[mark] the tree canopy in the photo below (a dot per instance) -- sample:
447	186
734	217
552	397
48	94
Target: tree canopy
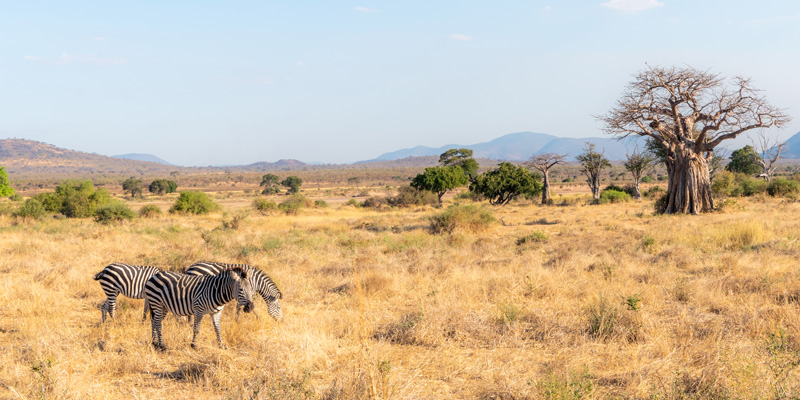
745	160
5	186
592	164
293	183
162	186
505	183
133	186
270	184
440	180
462	158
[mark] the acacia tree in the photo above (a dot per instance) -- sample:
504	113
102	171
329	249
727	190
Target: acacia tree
293	183
505	183
5	186
769	151
440	180
744	161
462	158
132	185
270	183
636	163
592	164
689	112
543	163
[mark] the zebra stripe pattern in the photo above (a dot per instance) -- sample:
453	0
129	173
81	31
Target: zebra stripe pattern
260	282
128	280
186	295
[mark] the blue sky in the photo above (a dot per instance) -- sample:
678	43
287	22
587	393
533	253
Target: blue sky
236	82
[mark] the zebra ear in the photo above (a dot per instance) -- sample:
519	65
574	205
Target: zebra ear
242	273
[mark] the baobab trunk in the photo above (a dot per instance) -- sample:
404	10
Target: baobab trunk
546	190
689	186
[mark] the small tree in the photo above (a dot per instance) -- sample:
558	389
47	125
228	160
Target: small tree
505	183
462	158
193	203
769	151
293	183
133	186
5	187
592	164
543	163
637	163
440	180
270	184
162	186
745	161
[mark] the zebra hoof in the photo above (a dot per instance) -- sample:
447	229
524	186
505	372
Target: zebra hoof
159	347
194	347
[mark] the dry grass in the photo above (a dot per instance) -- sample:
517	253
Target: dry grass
608	301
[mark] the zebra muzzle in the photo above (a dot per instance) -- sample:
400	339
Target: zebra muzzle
248	307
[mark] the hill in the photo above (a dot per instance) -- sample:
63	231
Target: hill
28	157
521	145
143	157
792	149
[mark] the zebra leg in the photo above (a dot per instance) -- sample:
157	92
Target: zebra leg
156	316
144	315
215	318
198	316
110	305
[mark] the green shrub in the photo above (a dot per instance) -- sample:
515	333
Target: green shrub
408	196
749	186
320	204
294	203
602	318
31	209
783	187
149	211
534	237
647	179
113	212
567	180
352	202
660	205
613	196
654	191
467	217
375	202
578	385
264	205
724	184
15	197
194	203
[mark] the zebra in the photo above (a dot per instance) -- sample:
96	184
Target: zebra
186	295
126	279
260	282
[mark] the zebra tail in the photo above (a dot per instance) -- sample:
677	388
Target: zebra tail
99	275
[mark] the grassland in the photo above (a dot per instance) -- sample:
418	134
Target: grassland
571	301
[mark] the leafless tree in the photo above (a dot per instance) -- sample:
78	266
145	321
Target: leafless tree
770	151
637	163
592	164
689	112
543	163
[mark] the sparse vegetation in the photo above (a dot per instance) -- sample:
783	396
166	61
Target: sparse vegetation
472	218
114	211
149	211
191	202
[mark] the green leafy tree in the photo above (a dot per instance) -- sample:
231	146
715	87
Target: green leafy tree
162	186
592	164
745	160
5	186
133	186
637	163
270	184
462	158
293	183
440	180
193	203
505	183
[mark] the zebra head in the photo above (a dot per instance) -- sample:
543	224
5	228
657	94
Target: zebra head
274	307
245	290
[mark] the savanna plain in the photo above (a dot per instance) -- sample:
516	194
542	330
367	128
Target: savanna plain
563	302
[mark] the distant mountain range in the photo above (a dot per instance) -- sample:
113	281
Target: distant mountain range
521	146
792	149
143	157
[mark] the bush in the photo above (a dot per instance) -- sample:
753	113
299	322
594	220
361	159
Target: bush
661	203
749	186
352	202
375	202
15	197
320	204
31	209
149	211
647	179
408	196
654	191
264	205
194	203
535	237
468	217
294	203
113	212
783	187
613	196
724	184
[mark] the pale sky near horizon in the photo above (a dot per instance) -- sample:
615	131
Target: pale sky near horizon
236	82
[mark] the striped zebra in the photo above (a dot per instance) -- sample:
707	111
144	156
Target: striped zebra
186	295
126	279
260	282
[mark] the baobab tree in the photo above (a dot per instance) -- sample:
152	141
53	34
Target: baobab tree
543	163
689	113
637	163
770	151
592	164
